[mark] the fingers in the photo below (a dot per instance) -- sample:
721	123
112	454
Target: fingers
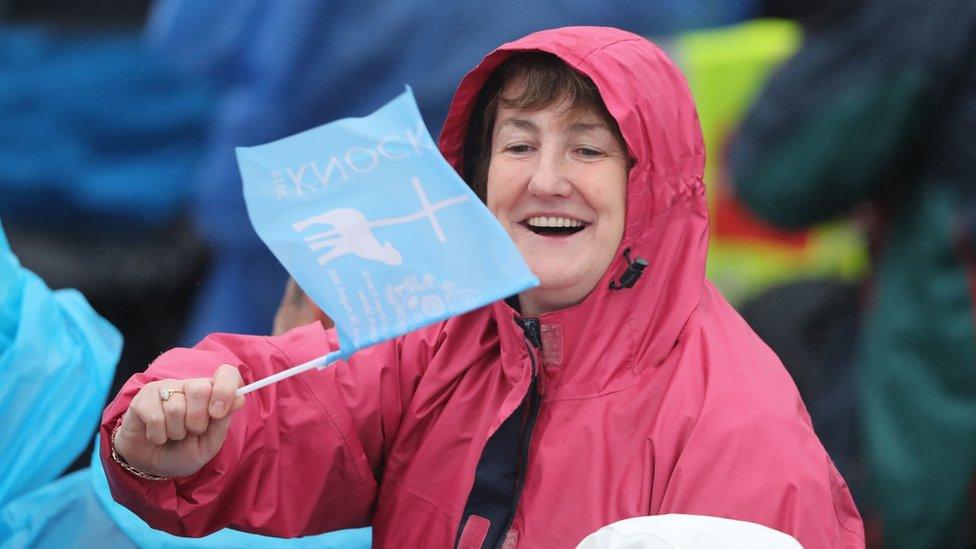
202	403
174	410
147	410
198	393
223	400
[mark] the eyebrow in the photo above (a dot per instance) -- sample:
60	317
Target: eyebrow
575	127
580	127
520	123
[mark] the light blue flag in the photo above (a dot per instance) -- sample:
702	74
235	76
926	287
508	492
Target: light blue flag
376	226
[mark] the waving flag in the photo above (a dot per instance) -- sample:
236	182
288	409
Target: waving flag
376	226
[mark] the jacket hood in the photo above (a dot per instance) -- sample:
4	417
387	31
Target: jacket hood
666	218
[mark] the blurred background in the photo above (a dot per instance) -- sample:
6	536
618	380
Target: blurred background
840	174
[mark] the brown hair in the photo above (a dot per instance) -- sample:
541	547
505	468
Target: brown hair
541	80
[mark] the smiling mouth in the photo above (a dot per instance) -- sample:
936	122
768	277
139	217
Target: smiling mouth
554	226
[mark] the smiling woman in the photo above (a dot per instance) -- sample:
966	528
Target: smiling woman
534	421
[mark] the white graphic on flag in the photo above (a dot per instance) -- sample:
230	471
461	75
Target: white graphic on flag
353	233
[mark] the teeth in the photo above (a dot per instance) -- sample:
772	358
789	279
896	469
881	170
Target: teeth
542	221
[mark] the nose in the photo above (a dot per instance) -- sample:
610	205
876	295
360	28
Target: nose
550	177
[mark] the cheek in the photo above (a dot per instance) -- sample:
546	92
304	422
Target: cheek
608	195
617	197
499	192
491	198
619	201
613	204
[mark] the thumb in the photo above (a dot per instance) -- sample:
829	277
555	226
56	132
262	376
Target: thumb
217	430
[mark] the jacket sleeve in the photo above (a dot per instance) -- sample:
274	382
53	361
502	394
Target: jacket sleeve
302	456
843	120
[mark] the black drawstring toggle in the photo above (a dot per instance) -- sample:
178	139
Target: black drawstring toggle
634	269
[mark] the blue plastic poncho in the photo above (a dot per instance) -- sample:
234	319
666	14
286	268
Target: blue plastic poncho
78	511
57	357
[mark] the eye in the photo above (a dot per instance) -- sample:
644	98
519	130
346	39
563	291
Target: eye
589	152
519	148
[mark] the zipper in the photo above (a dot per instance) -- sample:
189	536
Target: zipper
533	336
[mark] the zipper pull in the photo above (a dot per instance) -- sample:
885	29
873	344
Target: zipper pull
532	329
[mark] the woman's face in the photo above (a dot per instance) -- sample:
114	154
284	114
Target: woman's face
557	182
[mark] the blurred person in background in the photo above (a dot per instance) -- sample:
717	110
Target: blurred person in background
97	143
876	114
57	356
297	309
797	289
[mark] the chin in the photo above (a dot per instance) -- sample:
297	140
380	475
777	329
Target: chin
555	278
562	284
544	299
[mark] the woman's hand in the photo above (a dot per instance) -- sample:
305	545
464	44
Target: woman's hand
177	437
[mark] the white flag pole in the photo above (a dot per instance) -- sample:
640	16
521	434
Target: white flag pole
320	362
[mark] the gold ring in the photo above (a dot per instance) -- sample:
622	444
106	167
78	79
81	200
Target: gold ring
164	394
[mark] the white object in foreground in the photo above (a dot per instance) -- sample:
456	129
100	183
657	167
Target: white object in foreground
687	532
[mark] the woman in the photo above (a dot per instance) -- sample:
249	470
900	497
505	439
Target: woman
605	393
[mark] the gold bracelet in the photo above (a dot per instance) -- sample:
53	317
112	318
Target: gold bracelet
118	459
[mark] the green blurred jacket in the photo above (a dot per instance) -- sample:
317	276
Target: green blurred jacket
879	109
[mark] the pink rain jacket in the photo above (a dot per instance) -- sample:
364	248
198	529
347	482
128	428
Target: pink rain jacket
655	399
